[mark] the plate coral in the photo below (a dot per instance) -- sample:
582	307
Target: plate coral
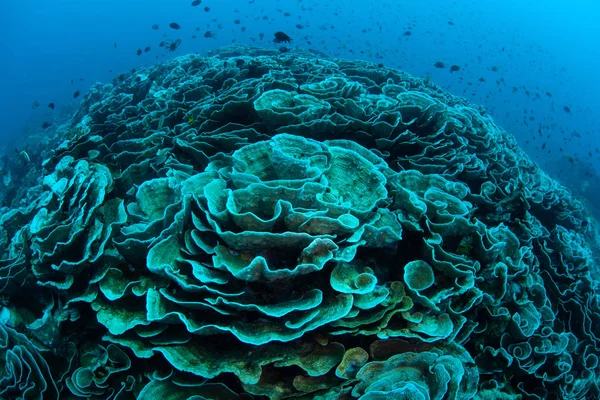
252	224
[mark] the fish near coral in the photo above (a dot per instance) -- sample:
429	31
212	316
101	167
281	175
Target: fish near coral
173	46
23	154
281	37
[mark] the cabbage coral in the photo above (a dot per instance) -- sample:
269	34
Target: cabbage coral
251	224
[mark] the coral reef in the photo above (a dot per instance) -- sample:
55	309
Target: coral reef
256	224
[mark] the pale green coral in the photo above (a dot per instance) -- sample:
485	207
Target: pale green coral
262	225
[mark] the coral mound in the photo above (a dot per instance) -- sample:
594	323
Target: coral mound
256	224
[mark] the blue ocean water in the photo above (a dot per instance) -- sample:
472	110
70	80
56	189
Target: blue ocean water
72	300
539	48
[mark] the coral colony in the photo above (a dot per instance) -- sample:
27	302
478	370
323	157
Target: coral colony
262	225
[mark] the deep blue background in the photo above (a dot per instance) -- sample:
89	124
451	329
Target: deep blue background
540	46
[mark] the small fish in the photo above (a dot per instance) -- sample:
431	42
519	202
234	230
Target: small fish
407	33
139	52
281	37
175	25
51	106
454	68
567	109
155	27
46	125
76	94
147	49
173	46
191	120
206	9
25	155
439	64
115	45
283	49
35	104
210	34
196	3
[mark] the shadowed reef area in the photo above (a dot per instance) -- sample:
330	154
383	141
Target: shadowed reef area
252	224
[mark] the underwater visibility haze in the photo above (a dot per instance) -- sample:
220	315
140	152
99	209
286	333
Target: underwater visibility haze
258	199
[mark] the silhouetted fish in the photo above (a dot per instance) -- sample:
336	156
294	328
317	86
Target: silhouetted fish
173	46
175	25
139	52
51	105
46	125
76	94
155	27
281	37
196	3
